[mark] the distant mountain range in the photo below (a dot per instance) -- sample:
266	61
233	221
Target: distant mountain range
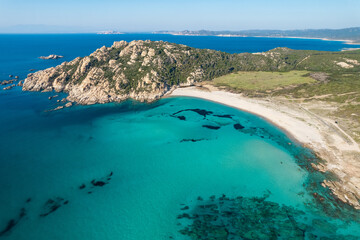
352	34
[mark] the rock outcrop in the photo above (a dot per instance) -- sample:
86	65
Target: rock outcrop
9	87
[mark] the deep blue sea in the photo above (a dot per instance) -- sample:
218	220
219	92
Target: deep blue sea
164	170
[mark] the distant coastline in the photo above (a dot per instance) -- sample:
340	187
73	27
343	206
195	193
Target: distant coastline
345	41
348	35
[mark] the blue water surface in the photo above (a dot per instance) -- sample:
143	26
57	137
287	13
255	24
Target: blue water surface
152	162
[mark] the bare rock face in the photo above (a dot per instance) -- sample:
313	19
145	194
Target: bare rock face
52	56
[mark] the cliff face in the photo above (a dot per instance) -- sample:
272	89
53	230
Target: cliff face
142	70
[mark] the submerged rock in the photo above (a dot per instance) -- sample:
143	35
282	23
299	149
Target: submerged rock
69	104
9	87
6	82
58	108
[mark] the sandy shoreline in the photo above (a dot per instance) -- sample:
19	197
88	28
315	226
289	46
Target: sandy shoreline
340	152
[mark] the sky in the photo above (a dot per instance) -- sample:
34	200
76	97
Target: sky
146	16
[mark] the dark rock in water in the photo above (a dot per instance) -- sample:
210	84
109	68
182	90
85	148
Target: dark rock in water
192	140
238	126
98	183
10	225
31	70
10	76
51	206
28	200
211	127
66	202
82	186
111	173
224	116
90	192
185	208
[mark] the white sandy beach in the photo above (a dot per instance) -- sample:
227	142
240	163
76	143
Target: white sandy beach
340	152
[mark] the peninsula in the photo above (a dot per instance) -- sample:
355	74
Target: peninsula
312	95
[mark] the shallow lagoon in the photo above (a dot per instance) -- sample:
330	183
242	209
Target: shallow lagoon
154	160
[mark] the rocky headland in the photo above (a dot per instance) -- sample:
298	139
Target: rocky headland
141	70
144	71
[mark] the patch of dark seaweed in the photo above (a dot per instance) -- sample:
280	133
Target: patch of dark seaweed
13	222
98	183
253	218
224	116
238	126
51	205
183	118
192	140
211	127
201	112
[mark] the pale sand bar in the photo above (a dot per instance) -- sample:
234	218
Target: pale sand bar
340	152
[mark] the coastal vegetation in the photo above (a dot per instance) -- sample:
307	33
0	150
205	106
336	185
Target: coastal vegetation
262	81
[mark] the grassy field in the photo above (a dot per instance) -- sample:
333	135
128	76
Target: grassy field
262	81
336	97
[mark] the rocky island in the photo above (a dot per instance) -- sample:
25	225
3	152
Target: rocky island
52	56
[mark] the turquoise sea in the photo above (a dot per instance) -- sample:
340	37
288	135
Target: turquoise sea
179	168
